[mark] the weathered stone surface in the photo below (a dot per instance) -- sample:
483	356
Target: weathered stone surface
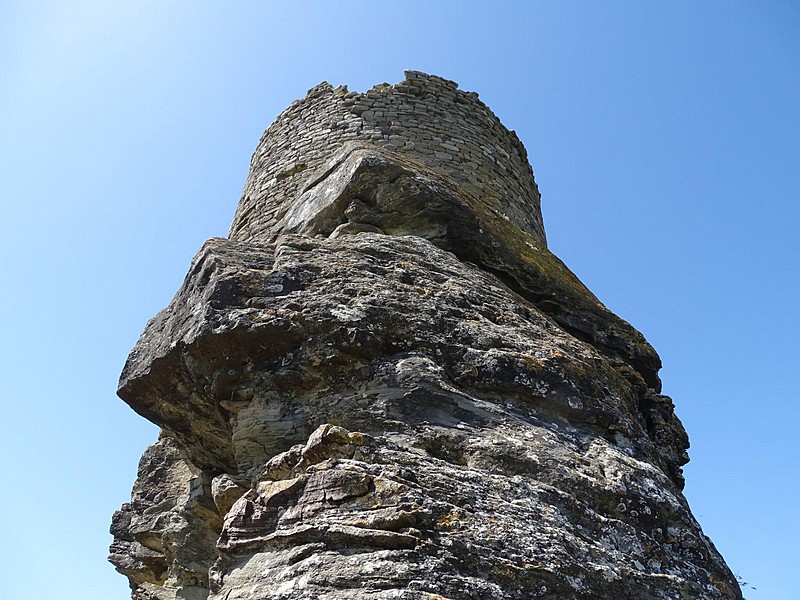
392	390
164	538
423	118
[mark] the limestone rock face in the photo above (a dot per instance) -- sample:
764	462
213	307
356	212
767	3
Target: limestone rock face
383	385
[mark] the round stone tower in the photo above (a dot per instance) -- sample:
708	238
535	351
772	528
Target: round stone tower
424	118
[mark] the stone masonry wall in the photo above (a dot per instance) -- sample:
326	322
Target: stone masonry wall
424	117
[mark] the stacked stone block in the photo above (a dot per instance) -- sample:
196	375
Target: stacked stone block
424	118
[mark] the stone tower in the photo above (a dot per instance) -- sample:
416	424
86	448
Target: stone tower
383	385
424	119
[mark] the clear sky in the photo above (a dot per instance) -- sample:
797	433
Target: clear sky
665	138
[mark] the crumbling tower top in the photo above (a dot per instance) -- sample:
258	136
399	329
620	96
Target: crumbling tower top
423	118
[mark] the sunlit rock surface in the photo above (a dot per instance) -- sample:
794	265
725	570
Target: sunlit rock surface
383	385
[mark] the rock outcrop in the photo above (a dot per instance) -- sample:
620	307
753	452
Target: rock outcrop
383	385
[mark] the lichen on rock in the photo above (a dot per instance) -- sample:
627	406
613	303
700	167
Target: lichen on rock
384	385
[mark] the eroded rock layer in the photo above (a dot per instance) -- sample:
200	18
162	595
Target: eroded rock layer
391	389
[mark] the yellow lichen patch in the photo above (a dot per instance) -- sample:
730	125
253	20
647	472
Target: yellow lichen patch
531	362
451	520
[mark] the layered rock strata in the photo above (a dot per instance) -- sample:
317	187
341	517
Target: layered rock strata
383	385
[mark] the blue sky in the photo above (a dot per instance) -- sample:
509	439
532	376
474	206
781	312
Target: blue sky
665	138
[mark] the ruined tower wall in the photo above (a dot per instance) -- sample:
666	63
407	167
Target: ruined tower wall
424	117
